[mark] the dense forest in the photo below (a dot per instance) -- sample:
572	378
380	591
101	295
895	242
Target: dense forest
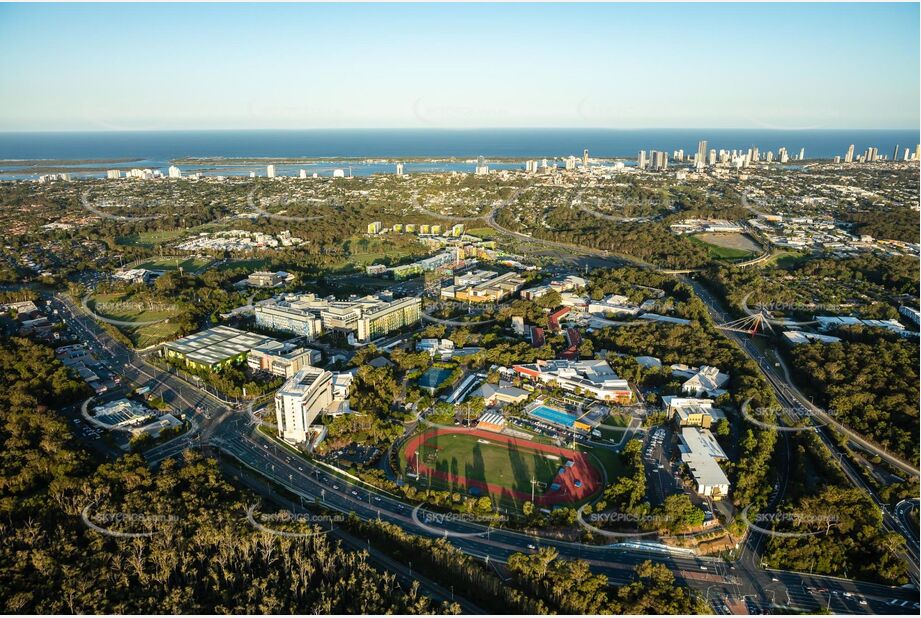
204	557
871	386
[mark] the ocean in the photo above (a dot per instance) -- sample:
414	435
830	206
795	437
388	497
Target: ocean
20	152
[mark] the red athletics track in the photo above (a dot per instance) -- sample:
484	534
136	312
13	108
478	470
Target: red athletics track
581	469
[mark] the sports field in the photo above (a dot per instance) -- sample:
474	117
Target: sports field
188	265
726	246
482	462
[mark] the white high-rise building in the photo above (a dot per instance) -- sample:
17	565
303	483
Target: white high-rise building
174	172
802	154
399	169
849	157
570	163
918	152
907	155
270	171
302	174
700	159
641	160
299	402
585	158
116	174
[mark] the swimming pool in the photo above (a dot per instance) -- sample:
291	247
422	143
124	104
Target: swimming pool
552	415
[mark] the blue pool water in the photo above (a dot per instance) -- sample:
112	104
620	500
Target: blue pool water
553	415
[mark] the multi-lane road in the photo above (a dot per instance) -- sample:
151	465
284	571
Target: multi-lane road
793	400
231	432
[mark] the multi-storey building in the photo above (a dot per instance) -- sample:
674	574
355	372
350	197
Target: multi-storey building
300	400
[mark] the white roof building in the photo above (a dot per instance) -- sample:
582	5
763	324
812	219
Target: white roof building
704	380
300	400
593	377
701	452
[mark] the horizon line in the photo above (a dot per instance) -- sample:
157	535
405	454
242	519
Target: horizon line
460	129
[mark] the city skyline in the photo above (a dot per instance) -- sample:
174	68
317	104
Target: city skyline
630	66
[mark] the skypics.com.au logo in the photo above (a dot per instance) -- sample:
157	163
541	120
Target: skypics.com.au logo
292	525
125	524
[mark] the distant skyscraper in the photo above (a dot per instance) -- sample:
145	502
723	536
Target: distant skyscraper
585	158
116	174
399	169
802	154
174	172
711	160
641	160
700	161
837	158
571	163
849	157
918	152
895	153
481	168
270	171
302	174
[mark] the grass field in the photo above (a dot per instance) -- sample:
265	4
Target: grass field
248	264
726	246
151	239
119	307
187	264
482	463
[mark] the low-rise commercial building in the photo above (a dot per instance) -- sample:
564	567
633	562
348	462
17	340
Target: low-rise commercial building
214	348
281	359
483	286
692	412
593	378
701	453
703	380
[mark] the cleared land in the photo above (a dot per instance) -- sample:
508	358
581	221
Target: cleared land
487	463
727	245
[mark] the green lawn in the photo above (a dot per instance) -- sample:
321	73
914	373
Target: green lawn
170	263
721	253
787	259
151	239
609	460
464	456
249	264
121	307
486	233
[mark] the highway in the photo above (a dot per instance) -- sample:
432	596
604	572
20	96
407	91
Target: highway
231	432
792	399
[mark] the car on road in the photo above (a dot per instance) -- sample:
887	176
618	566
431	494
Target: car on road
531	546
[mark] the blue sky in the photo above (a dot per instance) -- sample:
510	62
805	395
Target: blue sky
204	66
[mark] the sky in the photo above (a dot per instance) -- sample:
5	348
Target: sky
300	66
